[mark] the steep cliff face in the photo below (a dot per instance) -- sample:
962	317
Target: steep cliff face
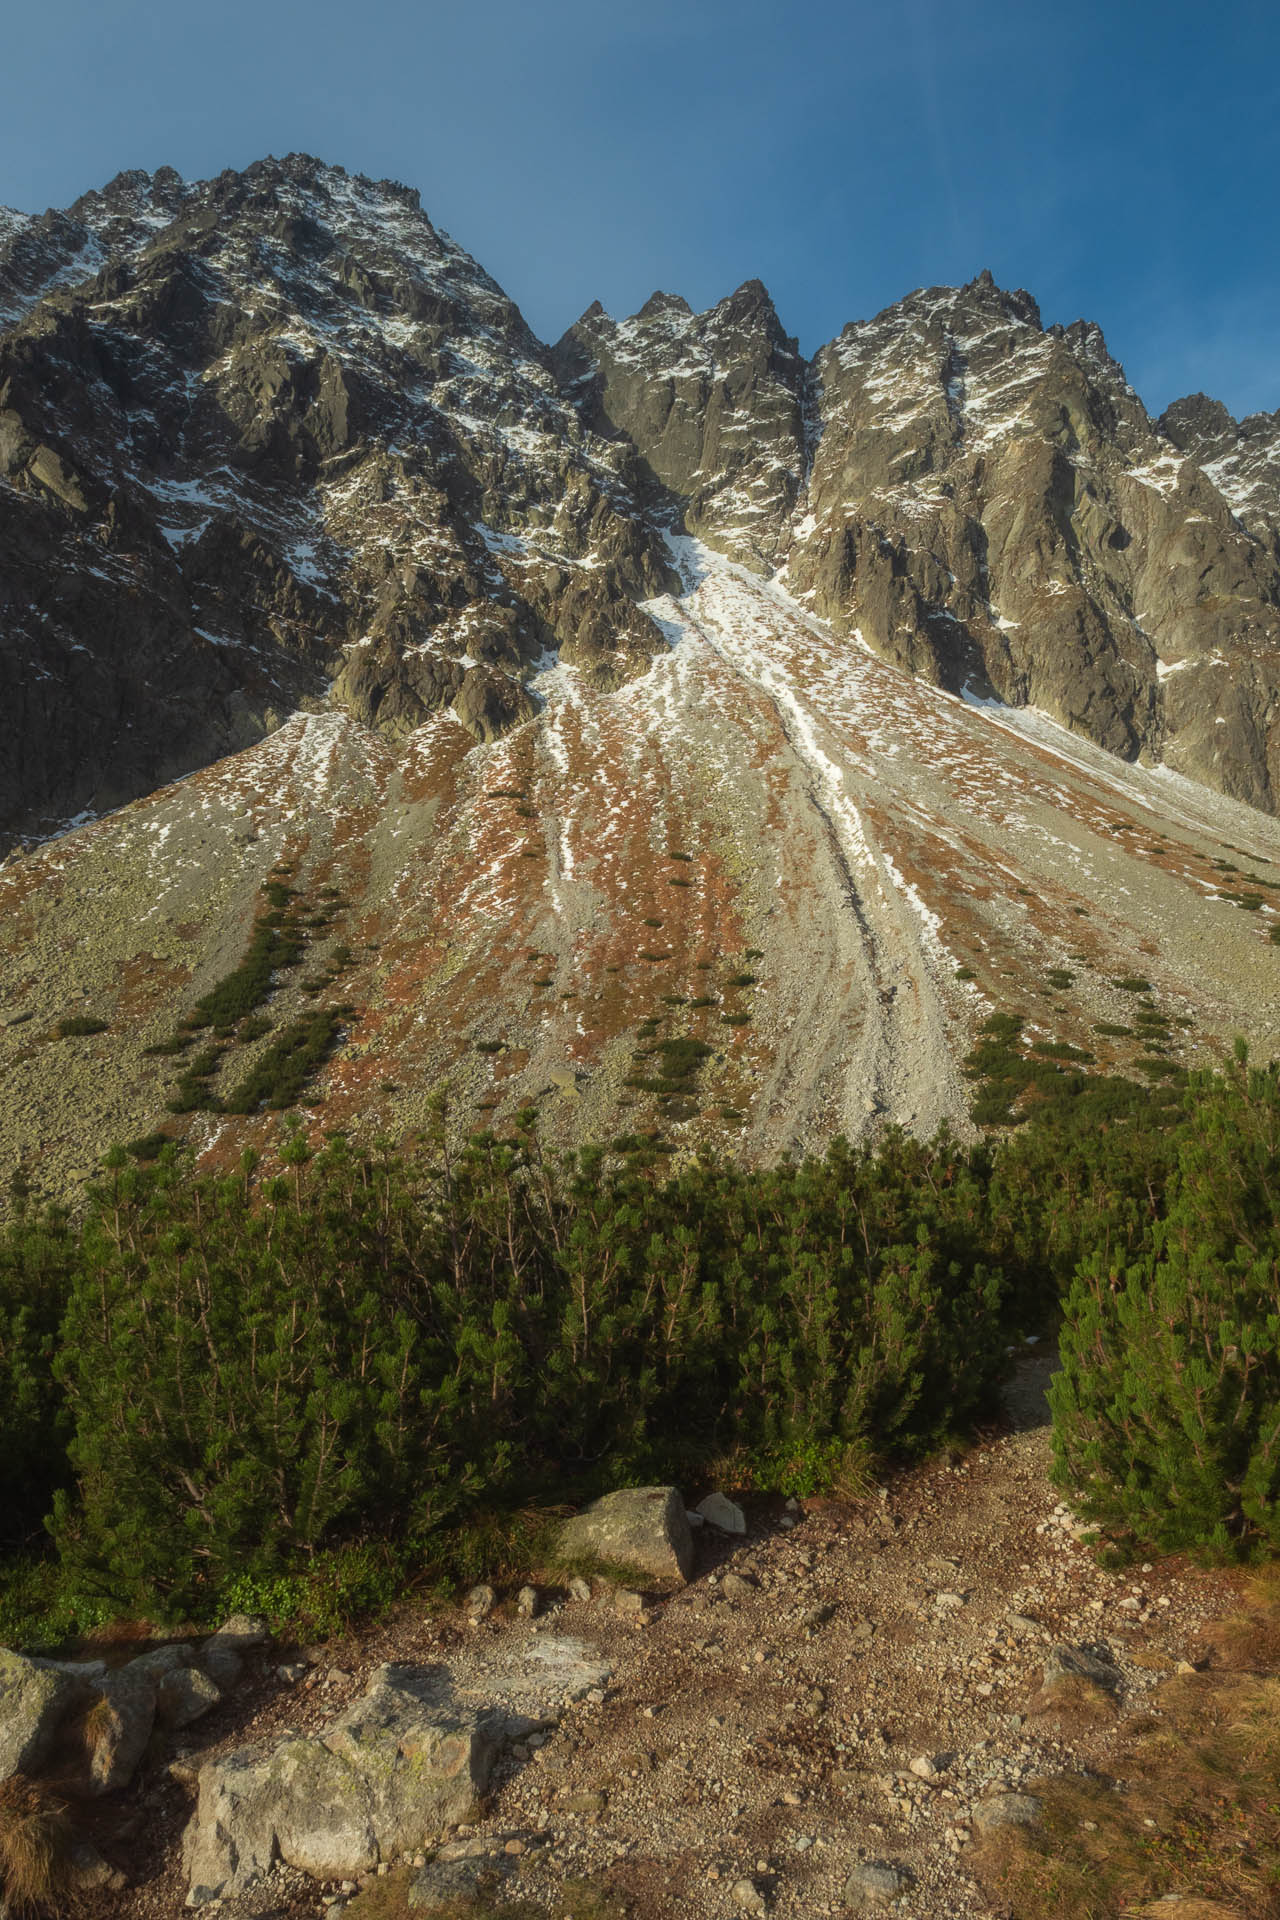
985	501
269	440
991	506
272	441
714	405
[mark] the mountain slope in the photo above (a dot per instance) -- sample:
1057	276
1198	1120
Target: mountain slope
771	843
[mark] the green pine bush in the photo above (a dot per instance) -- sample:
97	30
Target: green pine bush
1167	1408
38	1257
253	1374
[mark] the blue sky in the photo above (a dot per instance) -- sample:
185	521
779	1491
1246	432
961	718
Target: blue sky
1118	160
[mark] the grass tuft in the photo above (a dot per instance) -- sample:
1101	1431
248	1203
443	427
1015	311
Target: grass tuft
35	1849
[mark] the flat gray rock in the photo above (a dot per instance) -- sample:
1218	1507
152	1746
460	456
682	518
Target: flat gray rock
876	1884
1080	1663
527	1682
443	1884
719	1511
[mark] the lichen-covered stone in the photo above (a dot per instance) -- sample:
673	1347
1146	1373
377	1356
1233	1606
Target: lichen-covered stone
644	1527
35	1699
400	1763
184	1695
876	1884
1005	1810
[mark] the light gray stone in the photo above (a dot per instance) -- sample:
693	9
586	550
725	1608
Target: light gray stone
721	1512
162	1660
642	1527
876	1884
244	1631
747	1897
395	1767
222	1655
35	1699
184	1695
88	1872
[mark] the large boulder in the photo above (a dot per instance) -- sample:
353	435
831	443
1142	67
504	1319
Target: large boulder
644	1527
35	1699
398	1765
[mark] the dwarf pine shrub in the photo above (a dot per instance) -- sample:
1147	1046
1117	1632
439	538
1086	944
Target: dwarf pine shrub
255	1373
1167	1408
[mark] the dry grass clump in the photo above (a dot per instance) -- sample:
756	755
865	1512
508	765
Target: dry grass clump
35	1849
1188	1825
1249	1641
1074	1704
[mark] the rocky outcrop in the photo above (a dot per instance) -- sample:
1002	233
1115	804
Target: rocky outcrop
91	1725
398	1765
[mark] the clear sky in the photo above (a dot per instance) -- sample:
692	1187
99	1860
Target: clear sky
1116	157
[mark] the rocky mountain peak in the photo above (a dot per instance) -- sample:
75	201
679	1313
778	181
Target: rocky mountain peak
1241	457
274	438
1196	424
983	293
655	307
711	402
